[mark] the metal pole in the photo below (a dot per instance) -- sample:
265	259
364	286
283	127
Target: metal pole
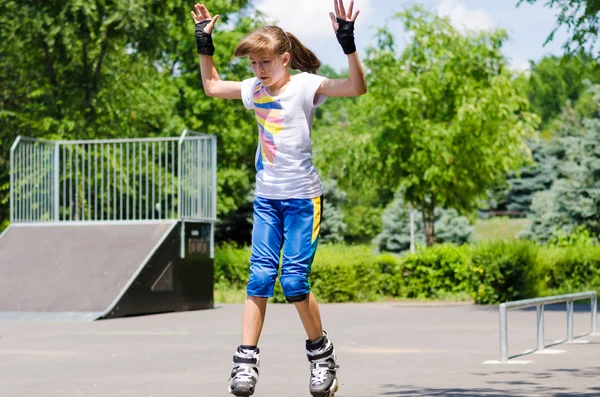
412	229
593	300
12	179
179	182
213	215
503	334
540	327
570	320
56	182
182	235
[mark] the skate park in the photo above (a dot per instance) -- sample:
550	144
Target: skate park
140	330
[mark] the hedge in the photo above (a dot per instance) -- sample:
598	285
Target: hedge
487	273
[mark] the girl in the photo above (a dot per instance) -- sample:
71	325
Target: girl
289	196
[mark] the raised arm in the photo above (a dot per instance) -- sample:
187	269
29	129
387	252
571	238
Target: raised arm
212	83
343	25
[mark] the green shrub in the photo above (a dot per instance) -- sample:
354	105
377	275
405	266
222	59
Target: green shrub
504	271
342	273
570	269
441	270
391	281
490	273
232	265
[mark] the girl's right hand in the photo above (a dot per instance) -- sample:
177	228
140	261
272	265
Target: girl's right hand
201	14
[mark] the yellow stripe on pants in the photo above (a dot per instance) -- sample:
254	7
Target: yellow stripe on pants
316	218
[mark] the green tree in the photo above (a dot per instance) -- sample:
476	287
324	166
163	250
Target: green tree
580	17
556	81
573	201
395	237
118	68
515	195
444	119
333	226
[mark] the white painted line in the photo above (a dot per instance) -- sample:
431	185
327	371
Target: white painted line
550	351
509	362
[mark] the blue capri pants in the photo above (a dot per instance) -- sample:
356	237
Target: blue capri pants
292	225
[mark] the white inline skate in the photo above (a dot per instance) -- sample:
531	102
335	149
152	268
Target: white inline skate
244	373
323	367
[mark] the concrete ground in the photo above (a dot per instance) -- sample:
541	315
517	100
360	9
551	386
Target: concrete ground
384	349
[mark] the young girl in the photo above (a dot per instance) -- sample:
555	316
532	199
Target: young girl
289	197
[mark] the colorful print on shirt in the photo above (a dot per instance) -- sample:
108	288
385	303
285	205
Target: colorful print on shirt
269	116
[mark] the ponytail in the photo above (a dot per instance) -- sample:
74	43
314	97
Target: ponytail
275	40
302	58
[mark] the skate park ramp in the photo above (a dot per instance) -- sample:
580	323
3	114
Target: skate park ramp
74	272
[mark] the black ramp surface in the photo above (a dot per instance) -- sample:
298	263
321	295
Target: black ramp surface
72	268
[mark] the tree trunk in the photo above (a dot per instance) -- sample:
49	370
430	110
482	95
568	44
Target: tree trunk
428	212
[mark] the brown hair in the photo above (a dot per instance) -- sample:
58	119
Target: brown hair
274	40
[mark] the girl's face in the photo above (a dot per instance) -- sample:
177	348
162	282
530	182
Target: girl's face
269	68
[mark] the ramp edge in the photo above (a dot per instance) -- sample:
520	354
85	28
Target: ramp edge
139	270
5	231
50	316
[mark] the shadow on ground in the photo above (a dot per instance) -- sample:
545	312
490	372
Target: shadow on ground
398	390
518	388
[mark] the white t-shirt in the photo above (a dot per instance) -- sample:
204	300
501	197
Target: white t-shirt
284	166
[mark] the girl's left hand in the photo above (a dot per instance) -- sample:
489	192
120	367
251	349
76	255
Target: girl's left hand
340	12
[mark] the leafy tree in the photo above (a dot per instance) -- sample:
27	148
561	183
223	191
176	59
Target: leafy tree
556	81
574	199
444	119
580	17
118	68
333	227
364	223
395	236
514	196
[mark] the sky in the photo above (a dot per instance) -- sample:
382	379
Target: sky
528	25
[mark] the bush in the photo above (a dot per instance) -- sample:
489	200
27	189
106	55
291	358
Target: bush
571	268
340	273
343	273
391	282
232	265
439	271
504	271
490	273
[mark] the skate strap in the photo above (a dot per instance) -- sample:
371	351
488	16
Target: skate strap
245	370
327	365
244	360
314	357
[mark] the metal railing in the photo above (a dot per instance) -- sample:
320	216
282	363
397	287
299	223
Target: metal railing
114	180
540	303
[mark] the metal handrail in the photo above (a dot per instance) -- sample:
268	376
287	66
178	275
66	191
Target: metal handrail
540	303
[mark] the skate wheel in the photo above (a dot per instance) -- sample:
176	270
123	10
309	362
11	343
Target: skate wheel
334	388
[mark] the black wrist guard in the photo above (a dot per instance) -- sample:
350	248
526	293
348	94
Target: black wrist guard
345	36
204	43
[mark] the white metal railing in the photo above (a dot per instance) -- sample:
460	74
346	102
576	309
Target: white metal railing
113	180
540	303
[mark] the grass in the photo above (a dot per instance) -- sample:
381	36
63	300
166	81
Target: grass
227	294
500	228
